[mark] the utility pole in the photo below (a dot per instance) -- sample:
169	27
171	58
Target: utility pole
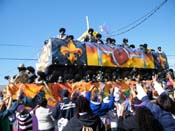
87	22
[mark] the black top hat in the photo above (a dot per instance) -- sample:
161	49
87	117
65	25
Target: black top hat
31	69
21	67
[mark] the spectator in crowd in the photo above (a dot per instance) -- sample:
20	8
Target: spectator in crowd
64	110
163	100
24	118
98	39
169	85
140	120
171	73
84	118
31	102
62	34
75	94
166	103
164	117
7	108
100	108
44	117
90	37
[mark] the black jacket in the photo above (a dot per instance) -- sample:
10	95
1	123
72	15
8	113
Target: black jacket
76	124
128	124
65	109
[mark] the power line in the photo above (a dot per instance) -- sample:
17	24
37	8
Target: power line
2	74
32	59
170	55
135	21
7	72
17	45
141	19
25	59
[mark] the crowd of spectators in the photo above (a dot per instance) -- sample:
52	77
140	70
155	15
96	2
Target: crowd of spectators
94	110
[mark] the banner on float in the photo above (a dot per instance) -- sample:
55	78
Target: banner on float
64	52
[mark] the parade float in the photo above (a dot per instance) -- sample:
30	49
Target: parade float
61	55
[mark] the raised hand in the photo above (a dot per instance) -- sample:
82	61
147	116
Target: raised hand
154	77
111	90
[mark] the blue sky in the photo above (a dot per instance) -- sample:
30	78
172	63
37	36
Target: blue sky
30	22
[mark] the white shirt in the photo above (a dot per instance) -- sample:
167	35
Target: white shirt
43	116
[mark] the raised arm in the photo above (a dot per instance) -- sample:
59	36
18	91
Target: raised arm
157	86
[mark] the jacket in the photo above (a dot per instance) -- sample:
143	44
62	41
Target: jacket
165	118
128	124
87	120
65	109
4	122
100	109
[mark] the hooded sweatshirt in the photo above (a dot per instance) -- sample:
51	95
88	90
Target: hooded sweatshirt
87	120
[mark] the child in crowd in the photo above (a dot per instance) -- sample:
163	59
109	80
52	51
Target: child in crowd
24	118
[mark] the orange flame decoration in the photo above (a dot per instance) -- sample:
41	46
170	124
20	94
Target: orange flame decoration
72	50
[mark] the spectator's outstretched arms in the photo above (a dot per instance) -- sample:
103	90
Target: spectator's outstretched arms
157	85
9	111
140	91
